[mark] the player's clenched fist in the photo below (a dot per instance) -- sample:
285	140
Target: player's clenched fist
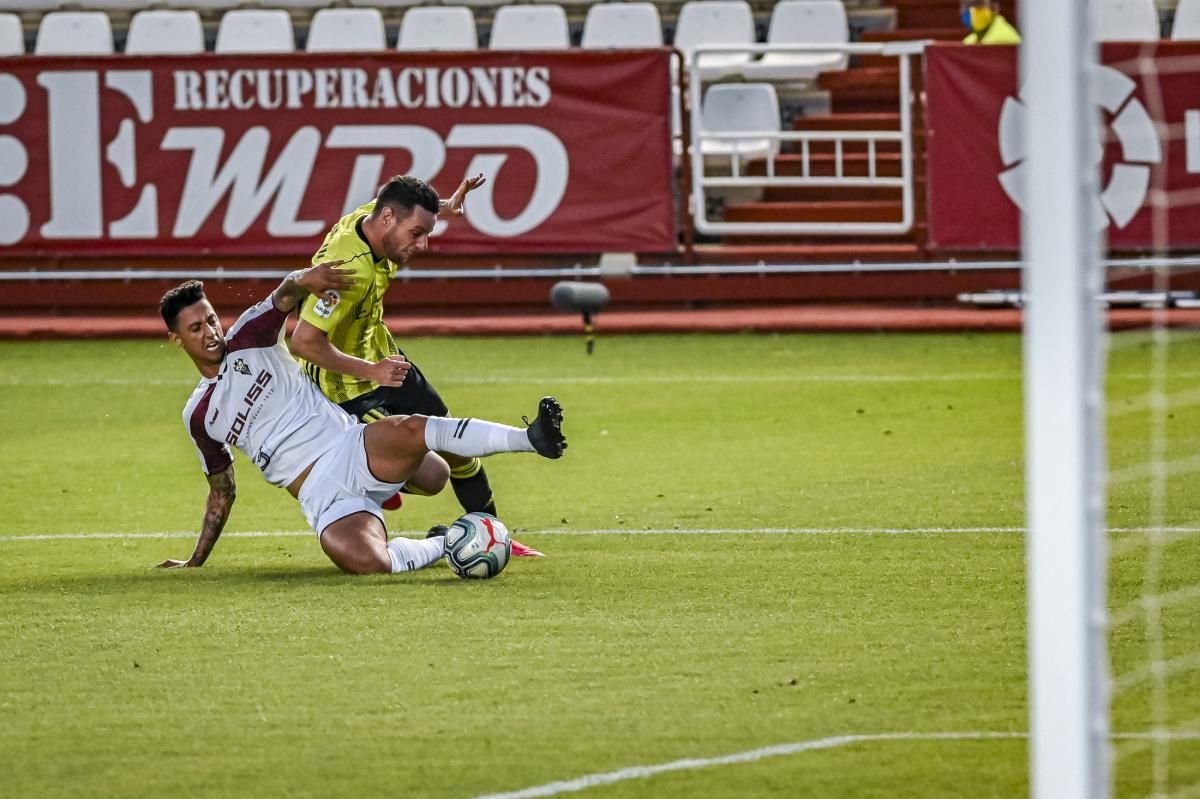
391	371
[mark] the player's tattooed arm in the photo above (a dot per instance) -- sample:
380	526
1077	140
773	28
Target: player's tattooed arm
321	280
222	491
454	205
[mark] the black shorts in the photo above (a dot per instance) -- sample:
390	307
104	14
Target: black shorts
415	395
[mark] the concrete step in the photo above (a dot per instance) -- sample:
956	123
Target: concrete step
821	165
858	121
941	34
737	251
818	212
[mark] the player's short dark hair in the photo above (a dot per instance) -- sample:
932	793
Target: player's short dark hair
404	193
177	299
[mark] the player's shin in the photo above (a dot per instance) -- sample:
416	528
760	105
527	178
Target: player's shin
409	554
474	438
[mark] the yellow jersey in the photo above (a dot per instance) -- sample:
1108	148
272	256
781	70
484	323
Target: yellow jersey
354	321
1000	31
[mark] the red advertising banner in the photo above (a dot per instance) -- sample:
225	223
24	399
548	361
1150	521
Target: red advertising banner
259	155
1149	103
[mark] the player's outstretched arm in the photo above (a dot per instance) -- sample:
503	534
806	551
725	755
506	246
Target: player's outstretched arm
313	345
454	205
222	491
319	280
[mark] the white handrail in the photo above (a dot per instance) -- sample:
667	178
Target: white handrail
701	182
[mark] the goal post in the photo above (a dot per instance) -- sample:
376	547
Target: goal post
1064	408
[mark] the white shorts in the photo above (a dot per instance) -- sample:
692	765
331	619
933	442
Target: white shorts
341	483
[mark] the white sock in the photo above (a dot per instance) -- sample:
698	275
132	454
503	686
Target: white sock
410	554
473	438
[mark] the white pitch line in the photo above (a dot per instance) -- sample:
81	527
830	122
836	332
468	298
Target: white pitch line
794	531
642	772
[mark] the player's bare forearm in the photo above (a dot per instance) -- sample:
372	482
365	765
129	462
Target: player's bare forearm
313	345
222	491
321	280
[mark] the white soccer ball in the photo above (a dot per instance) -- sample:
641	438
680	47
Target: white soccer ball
478	546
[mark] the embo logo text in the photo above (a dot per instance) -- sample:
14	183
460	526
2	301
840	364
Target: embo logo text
238	172
1125	193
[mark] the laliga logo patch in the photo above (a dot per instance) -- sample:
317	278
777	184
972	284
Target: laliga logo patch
325	309
1122	198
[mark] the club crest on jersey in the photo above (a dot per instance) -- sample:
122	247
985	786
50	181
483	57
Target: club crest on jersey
240	366
324	309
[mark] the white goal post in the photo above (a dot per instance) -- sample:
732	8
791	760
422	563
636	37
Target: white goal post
1064	409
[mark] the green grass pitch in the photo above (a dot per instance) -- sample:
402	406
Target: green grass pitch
268	673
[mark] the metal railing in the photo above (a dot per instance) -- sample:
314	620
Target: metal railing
702	181
580	271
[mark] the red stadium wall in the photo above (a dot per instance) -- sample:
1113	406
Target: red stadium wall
145	121
260	155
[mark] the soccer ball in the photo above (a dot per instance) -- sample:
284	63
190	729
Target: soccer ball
478	546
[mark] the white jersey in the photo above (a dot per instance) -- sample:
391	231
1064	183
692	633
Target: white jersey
263	404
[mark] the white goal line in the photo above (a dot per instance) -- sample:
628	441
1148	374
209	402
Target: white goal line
642	772
784	531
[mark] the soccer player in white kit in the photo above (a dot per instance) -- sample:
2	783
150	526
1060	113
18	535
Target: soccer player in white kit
254	396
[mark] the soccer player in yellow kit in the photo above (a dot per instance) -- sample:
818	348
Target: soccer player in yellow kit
345	347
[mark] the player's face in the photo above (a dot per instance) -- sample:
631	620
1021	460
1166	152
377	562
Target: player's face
198	331
407	236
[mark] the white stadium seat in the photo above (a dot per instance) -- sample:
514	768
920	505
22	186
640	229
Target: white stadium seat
255	31
164	32
803	22
541	27
438	28
74	33
1187	21
1124	20
346	30
12	37
622	25
705	22
740	108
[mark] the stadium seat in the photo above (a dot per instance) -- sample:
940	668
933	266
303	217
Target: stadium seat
540	27
12	37
622	26
740	108
346	30
1124	20
165	31
255	31
74	33
1187	21
438	28
704	22
803	22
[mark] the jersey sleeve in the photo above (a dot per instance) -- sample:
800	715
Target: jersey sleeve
259	326
326	316
214	456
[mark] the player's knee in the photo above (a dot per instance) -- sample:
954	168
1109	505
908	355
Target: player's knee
365	561
411	433
431	476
